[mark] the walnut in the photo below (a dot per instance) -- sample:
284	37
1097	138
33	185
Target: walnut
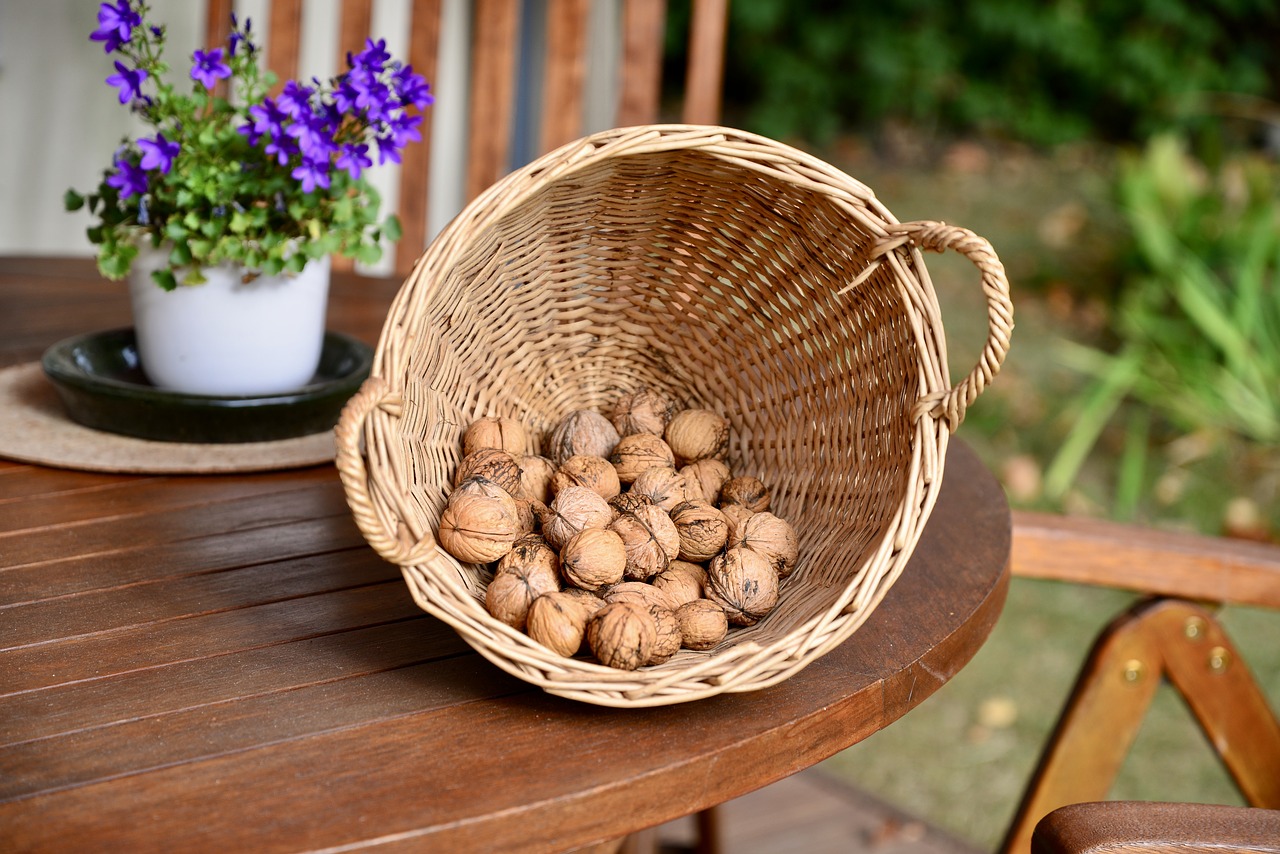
705	477
558	621
505	434
583	431
694	434
771	537
533	554
493	464
574	509
744	584
642	411
666	487
595	473
747	491
535	477
628	501
622	635
638	592
514	588
667	641
735	514
637	452
703	530
480	522
703	624
651	540
526	516
593	558
681	582
587	599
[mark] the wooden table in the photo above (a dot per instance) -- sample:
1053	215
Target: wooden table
221	662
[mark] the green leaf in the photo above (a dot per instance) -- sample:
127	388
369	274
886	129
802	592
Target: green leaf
72	200
180	255
391	228
165	279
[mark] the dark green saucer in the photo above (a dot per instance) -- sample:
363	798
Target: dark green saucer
102	386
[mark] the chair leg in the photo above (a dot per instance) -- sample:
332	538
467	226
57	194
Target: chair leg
1158	638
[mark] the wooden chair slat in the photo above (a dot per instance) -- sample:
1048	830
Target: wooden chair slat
565	74
643	23
424	56
494	49
706	61
284	40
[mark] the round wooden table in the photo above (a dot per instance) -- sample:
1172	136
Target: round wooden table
222	663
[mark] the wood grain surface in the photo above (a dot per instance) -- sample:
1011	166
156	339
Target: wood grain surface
220	662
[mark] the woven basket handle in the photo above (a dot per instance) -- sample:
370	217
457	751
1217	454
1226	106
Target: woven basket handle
950	405
373	394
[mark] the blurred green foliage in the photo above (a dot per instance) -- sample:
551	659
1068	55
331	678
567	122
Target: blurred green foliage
1045	72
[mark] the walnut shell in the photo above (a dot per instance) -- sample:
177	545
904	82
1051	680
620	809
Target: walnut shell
770	536
735	515
694	434
558	621
535	477
666	487
593	558
746	490
667	636
531	553
705	477
744	584
587	599
650	538
637	452
513	590
681	582
703	624
583	431
480	522
505	434
703	530
595	473
574	509
622	635
627	502
642	411
494	465
638	592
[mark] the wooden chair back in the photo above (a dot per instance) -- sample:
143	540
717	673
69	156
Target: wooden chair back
494	51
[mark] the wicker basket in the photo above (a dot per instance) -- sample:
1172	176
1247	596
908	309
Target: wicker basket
729	271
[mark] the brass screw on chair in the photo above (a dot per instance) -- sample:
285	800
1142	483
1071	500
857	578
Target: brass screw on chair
1194	628
1219	659
1133	670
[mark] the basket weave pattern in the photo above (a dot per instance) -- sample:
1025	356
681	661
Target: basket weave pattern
728	271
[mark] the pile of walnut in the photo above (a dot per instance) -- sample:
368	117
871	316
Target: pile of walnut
630	538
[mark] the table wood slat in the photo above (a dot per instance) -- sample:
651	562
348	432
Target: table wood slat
150	562
98	656
22	482
183	597
279	503
263	671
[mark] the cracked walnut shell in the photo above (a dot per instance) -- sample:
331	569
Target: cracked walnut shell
493	464
702	528
640	451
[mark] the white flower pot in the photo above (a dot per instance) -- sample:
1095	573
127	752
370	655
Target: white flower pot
226	337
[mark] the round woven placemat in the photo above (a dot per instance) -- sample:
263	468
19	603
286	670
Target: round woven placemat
34	428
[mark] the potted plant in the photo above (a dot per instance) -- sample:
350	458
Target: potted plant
224	214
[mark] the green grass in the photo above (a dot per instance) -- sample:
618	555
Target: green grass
962	758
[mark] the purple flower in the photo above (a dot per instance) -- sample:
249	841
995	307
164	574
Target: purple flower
267	119
115	25
129	81
295	99
354	158
158	153
387	149
314	138
404	129
412	88
209	67
373	57
312	173
128	179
